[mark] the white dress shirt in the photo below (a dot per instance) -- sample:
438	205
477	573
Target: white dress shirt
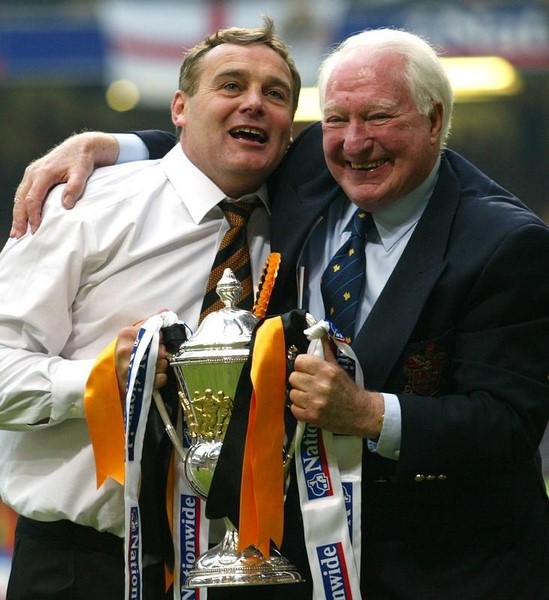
142	239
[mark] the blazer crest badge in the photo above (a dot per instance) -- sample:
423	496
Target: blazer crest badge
424	371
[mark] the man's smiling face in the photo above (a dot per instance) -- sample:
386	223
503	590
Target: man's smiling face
237	125
377	144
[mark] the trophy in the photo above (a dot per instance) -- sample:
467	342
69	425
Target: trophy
207	368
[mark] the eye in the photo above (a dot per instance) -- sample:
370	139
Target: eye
333	119
379	117
279	96
276	94
231	86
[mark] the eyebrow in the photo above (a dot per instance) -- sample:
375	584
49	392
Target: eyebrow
245	74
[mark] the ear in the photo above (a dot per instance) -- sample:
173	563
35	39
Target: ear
178	109
436	121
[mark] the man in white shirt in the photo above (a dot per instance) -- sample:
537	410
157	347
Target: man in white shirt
143	238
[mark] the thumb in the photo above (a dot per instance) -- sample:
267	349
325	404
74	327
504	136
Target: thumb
329	350
74	188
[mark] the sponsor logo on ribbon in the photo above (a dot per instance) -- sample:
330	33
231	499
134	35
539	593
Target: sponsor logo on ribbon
136	399
315	464
133	555
189	526
347	487
333	569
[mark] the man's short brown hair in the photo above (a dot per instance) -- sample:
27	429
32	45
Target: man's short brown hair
190	69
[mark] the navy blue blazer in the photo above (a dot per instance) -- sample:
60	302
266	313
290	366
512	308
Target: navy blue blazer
461	334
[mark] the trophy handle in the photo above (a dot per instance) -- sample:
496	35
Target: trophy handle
170	429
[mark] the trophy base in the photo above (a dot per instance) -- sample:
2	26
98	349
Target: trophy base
223	567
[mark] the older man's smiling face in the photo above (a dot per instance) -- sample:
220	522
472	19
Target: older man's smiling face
377	145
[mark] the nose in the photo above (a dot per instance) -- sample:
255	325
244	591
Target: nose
252	100
358	138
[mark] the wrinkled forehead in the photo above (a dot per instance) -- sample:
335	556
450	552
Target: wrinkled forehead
257	60
359	70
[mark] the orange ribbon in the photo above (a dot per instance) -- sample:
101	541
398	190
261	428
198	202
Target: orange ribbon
103	408
262	486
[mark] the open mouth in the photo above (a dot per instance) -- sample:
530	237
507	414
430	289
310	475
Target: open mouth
368	166
250	134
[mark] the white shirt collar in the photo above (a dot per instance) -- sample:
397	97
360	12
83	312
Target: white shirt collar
205	196
395	220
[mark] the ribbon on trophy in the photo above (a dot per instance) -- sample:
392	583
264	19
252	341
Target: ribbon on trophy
188	510
190	532
328	469
104	417
262	491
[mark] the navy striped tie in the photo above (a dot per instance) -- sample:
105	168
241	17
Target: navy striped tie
233	253
343	280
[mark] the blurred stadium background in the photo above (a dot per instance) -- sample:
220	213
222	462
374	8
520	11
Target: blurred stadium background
70	65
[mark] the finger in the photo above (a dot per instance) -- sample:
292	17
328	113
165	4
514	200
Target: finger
307	363
20	219
161	366
33	205
160	380
297	412
297	398
301	413
33	195
74	187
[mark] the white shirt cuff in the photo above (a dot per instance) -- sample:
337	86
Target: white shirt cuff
388	444
131	148
68	385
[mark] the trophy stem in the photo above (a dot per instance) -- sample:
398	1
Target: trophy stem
223	565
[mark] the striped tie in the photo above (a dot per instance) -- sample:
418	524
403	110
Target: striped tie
233	253
343	279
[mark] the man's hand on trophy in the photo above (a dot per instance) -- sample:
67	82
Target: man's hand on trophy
324	395
122	354
72	162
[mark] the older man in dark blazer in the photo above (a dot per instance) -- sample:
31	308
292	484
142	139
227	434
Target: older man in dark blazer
459	334
453	339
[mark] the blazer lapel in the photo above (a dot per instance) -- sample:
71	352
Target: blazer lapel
292	220
391	322
291	223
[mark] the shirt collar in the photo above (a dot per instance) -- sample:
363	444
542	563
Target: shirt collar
197	191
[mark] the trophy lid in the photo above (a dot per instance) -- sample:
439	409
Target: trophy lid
223	333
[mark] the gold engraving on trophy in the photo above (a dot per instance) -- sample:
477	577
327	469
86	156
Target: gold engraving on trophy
212	412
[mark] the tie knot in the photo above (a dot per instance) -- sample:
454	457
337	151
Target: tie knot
362	223
238	213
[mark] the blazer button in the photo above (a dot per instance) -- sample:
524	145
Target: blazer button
419	478
430	477
442	477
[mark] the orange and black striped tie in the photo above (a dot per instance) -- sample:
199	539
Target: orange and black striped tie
233	253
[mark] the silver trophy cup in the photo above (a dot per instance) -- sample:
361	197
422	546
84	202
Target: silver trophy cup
208	368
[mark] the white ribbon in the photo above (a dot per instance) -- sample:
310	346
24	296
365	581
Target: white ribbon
191	530
329	481
189	518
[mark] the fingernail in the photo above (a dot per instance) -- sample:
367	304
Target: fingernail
68	201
